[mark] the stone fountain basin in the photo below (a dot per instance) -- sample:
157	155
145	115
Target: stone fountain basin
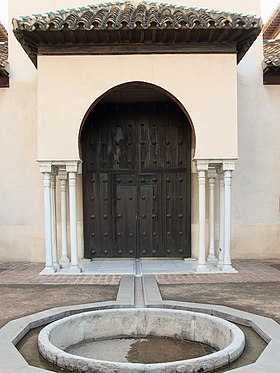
224	336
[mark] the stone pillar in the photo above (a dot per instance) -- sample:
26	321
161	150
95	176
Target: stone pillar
222	221
62	174
54	220
211	180
72	169
202	167
46	170
228	168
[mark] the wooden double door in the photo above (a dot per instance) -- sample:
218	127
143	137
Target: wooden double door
136	181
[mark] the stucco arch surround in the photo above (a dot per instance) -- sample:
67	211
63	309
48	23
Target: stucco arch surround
204	85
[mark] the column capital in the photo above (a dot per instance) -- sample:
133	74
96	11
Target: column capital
211	173
72	166
54	170
45	167
62	174
201	165
228	165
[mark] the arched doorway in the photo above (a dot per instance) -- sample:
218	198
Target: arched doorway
136	152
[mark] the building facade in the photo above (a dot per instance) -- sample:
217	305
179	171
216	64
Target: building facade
152	128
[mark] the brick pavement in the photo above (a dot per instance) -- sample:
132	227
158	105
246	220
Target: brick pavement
28	273
248	271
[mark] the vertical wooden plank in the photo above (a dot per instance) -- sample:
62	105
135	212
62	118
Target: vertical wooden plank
126	222
145	220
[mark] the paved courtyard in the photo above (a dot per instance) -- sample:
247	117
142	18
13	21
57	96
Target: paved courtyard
256	288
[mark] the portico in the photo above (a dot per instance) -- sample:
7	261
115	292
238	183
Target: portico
209	259
192	63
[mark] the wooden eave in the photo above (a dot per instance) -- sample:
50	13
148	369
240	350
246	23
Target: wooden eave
4	71
135	29
272	27
271	63
3	34
271	77
4	81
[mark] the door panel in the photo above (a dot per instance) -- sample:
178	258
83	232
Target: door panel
149	216
126	216
136	181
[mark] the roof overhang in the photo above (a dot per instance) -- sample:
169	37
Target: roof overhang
271	63
272	27
129	28
4	65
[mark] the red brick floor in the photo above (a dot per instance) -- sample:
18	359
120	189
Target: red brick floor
248	271
28	273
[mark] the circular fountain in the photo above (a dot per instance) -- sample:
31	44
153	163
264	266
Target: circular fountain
77	330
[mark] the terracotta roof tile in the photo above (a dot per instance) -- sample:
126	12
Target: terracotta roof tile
3	33
3	56
272	26
272	54
127	17
131	15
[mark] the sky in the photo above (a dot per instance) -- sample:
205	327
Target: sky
268	6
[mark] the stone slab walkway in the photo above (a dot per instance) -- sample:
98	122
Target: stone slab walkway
248	271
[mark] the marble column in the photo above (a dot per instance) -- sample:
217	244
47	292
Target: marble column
72	170
46	170
201	167
62	175
54	219
221	220
227	267
211	180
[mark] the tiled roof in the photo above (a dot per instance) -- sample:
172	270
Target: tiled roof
4	67
272	26
3	56
3	33
4	72
130	16
272	54
128	20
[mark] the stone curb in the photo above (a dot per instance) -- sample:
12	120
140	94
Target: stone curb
11	360
267	328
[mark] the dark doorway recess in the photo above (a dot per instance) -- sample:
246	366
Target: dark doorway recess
136	180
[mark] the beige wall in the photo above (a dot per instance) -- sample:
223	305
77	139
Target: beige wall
204	84
256	179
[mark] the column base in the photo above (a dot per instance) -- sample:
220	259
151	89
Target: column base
64	260
202	268
220	265
228	268
211	258
74	269
57	266
48	271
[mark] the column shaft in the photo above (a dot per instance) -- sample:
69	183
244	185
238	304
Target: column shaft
54	221
211	177
222	222
73	222
201	267
227	267
63	190
49	268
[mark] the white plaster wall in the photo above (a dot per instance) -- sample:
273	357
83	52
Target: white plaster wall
255	182
256	215
204	84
